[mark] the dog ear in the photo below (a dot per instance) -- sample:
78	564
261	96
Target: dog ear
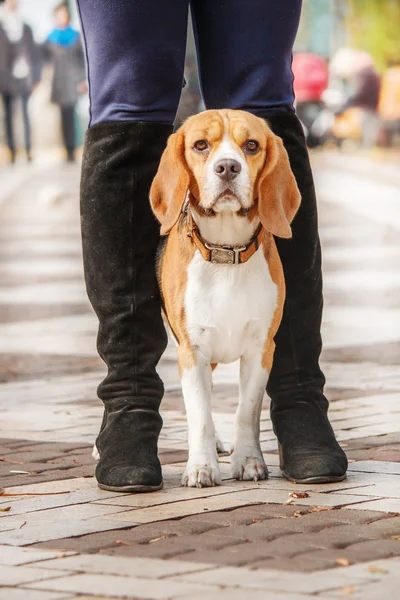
278	194
170	185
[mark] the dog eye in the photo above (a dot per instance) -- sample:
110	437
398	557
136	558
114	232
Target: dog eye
251	147
201	145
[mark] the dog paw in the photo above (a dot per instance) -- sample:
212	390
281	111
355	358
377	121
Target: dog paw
248	468
201	475
95	453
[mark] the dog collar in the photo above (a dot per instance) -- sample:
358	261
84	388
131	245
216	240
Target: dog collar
225	255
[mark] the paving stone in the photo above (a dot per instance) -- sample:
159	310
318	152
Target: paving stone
138	567
342	536
17	575
21	505
168	547
371	466
387	505
340	516
91	542
121	587
189	507
237	594
22	367
384	527
249	579
386	453
374	571
244	515
372	591
237	555
14	556
22	535
305	562
52	475
171	493
371	550
8	593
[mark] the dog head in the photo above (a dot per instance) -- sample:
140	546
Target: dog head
229	160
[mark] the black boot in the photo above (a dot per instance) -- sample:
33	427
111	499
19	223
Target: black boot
308	448
120	237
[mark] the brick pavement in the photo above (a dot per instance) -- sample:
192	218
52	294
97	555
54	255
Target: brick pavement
63	538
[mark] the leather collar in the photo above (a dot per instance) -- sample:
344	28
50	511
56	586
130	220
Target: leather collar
227	255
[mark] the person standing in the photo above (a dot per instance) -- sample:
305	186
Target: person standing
63	49
365	96
19	71
136	54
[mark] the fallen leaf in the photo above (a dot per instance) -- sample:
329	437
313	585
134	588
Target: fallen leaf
343	562
395	537
320	508
257	521
162	537
123	543
299	494
373	569
290	501
349	589
5	509
13	462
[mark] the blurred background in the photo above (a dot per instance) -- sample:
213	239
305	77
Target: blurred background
346	67
347	83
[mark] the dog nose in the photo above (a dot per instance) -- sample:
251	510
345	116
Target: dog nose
227	168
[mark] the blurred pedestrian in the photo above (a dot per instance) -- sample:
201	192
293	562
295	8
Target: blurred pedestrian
365	96
63	49
311	78
136	55
356	69
19	71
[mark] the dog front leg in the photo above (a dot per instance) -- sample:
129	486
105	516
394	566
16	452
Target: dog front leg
202	469
247	460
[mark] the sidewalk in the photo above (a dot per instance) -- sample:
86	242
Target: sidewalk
61	538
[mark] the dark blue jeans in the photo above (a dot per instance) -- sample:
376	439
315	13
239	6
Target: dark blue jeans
136	51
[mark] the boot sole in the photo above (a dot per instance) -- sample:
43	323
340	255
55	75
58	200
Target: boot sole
130	488
316	479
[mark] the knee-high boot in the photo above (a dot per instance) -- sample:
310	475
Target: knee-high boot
309	451
120	237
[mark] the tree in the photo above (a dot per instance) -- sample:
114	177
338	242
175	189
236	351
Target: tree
374	26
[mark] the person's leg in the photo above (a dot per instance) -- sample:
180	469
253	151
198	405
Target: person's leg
27	125
135	51
68	130
245	53
8	124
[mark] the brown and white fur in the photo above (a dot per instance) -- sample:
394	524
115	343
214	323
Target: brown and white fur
220	313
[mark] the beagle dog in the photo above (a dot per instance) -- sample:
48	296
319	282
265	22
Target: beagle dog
223	190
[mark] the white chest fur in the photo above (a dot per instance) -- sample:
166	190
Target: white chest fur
229	308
